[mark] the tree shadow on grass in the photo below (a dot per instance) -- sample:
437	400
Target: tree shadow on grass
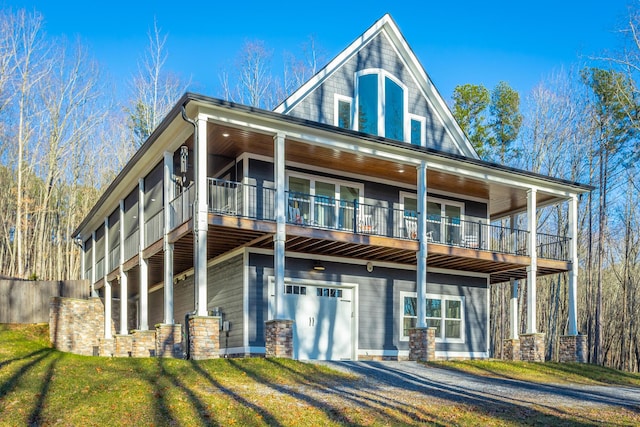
266	415
485	400
349	390
26	356
335	413
162	380
12	381
35	418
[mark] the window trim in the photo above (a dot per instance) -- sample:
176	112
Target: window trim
381	73
337	98
443	299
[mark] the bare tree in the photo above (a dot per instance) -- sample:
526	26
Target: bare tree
155	91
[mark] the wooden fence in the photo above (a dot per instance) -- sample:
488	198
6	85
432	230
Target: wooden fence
23	301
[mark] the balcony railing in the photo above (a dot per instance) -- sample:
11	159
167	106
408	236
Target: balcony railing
241	200
377	218
181	207
114	257
100	269
131	244
153	228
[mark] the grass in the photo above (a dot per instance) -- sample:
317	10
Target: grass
41	386
545	373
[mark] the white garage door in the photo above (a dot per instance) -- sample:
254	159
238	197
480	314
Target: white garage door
323	321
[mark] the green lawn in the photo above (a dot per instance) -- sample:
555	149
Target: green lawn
544	373
41	386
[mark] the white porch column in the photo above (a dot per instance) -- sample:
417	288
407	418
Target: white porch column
93	264
513	311
281	221
124	290
573	257
421	279
83	261
168	190
201	219
107	285
144	266
532	269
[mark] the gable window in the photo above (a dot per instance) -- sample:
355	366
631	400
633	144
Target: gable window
368	103
417	130
393	110
443	312
342	111
381	105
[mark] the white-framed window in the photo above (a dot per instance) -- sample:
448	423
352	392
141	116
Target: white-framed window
381	106
343	111
443	312
417	130
444	218
322	202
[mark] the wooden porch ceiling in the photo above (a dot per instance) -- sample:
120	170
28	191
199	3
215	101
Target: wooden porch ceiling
227	143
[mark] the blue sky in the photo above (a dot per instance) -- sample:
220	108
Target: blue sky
457	42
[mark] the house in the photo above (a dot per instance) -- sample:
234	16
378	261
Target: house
355	221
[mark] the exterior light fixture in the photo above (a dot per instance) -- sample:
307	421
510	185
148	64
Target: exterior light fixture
317	266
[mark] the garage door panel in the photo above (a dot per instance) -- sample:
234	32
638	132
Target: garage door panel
322	322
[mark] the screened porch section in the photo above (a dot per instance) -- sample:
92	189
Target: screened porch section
375	217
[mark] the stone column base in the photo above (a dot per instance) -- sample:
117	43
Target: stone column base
204	337
573	348
532	347
422	344
278	338
124	345
144	343
169	341
107	347
511	349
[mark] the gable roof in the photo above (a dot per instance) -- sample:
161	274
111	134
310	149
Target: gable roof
387	25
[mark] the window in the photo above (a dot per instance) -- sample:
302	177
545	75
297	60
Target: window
368	103
322	202
445	313
295	290
417	129
342	111
444	218
329	292
393	110
382	105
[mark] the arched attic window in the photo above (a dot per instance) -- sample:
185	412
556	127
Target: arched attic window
381	105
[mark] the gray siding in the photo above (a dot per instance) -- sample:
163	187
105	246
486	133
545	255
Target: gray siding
379	303
225	290
379	53
156	307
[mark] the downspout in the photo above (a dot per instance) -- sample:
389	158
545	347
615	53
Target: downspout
189	313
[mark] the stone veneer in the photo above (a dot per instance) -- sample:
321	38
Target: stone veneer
169	341
572	348
124	345
204	337
532	347
422	344
279	338
76	325
511	349
107	347
144	343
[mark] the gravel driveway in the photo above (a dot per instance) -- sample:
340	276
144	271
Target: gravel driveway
399	377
